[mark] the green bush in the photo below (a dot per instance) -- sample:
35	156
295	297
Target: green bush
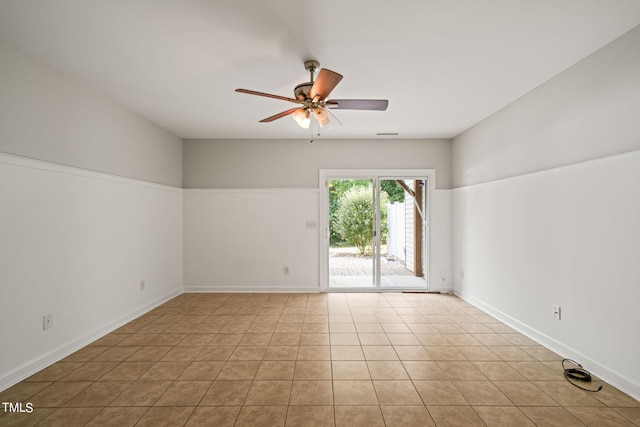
354	218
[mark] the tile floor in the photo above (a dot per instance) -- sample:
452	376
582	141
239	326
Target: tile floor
314	360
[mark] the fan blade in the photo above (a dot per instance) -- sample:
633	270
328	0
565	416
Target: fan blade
279	115
326	81
358	104
268	95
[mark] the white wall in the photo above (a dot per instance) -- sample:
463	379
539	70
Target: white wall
240	240
266	163
587	112
76	244
47	115
568	234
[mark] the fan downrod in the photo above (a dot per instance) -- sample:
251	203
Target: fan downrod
302	90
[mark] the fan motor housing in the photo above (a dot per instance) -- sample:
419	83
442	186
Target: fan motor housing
302	90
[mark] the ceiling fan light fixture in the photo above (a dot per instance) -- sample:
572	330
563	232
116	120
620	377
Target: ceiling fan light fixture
301	116
321	116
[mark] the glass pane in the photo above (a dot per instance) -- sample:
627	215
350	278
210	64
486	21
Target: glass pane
351	233
403	237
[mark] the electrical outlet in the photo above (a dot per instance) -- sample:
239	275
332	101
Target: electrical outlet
557	312
143	285
285	271
47	321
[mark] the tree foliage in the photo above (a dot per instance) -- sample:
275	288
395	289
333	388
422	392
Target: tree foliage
354	217
337	187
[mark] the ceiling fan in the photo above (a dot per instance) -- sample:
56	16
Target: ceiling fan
312	98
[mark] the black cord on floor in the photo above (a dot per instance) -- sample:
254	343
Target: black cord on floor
577	374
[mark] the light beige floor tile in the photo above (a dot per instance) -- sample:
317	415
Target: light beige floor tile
379	352
281	352
70	417
285	339
551	416
248	352
269	393
261	416
566	394
477	353
396	393
315	328
227	338
436	392
288	328
226	393
524	393
458	370
387	370
314	352
57	394
310	416
511	353
276	370
267	359
631	414
533	370
216	352
498	371
350	370
90	371
412	352
481	393
99	394
599	416
118	417
432	339
424	370
369	328
344	339
196	340
406	416
395	328
312	370
358	416
311	393
239	370
342	328
314	339
256	339
116	354
220	416
165	416
204	371
141	393
183	393
444	352
613	397
354	393
450	416
127	371
503	416
347	352
149	354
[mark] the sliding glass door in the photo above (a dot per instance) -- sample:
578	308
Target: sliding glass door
376	231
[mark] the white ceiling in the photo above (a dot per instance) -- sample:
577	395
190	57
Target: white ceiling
444	65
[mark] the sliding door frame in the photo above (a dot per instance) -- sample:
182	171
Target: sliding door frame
325	175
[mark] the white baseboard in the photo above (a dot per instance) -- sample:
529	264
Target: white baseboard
38	363
253	289
607	374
